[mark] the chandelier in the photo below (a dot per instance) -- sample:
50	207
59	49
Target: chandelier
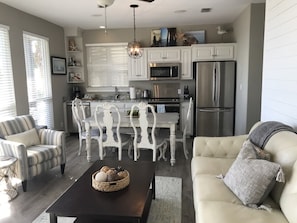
134	49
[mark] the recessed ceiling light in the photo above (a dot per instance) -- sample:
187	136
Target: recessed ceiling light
101	27
205	10
180	11
96	15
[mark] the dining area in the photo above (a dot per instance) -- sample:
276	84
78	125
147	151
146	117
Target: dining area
139	128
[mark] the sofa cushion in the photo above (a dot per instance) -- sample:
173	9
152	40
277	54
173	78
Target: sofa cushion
210	165
211	188
28	138
224	212
41	153
16	125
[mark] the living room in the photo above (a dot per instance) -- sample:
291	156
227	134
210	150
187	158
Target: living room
274	102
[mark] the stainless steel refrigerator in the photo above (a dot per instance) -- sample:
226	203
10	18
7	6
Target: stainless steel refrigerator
215	98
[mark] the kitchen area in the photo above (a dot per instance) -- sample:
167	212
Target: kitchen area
165	77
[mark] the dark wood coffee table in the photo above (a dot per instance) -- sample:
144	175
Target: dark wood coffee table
131	204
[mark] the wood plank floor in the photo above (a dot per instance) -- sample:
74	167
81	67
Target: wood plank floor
44	189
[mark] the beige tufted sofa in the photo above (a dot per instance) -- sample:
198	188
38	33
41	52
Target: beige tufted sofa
214	202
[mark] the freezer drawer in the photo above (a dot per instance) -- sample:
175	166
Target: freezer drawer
214	122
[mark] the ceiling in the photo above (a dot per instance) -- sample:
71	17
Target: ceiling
160	13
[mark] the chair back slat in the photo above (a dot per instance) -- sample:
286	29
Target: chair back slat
146	138
108	120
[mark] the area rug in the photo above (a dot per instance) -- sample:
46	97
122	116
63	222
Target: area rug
166	208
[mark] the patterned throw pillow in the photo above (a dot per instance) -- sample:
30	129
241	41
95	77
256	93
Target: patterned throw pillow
251	178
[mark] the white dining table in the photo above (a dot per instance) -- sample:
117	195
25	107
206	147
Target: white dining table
164	120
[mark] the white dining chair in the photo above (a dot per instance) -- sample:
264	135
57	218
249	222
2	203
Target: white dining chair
145	137
108	120
79	114
181	135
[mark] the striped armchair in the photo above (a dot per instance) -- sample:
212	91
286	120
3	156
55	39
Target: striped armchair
37	150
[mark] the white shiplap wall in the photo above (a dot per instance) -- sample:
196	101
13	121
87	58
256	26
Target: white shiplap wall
279	91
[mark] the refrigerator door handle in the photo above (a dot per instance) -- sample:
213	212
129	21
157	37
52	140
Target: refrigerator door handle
214	83
218	81
215	109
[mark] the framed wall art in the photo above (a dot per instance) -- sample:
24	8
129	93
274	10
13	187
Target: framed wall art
58	65
194	37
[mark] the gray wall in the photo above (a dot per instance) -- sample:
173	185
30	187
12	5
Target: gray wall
18	22
144	34
249	35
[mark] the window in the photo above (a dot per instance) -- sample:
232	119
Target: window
107	65
38	78
7	96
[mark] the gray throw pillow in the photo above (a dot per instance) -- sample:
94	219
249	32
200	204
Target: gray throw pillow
252	179
251	151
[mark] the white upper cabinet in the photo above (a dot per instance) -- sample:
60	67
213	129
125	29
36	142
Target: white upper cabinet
221	51
164	54
138	68
186	63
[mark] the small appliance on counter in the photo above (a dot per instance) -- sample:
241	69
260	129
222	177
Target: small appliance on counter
132	93
186	92
146	94
76	92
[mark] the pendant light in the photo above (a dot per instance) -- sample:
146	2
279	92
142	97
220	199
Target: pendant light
104	4
134	49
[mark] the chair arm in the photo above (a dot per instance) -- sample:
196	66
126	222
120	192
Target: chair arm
53	137
220	147
19	151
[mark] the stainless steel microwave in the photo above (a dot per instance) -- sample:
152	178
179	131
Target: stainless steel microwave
164	71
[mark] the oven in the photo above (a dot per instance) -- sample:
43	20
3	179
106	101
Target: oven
165	98
166	105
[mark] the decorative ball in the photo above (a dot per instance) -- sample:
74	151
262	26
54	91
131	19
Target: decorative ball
122	174
112	175
104	169
101	177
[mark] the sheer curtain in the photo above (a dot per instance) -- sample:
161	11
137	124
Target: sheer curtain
7	96
38	78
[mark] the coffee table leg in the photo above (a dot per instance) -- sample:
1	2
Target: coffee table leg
154	187
53	218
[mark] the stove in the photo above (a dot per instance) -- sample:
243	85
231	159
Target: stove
164	101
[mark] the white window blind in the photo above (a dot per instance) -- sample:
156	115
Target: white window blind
7	96
38	79
107	65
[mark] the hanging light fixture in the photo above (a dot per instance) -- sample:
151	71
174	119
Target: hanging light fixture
134	48
104	4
